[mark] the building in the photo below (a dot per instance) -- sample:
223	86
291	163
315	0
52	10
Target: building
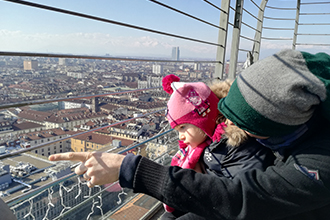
195	75
5	178
30	65
90	142
35	138
20	127
62	61
95	104
95	142
77	75
175	53
181	73
151	82
75	104
68	118
157	69
197	66
5	126
24	172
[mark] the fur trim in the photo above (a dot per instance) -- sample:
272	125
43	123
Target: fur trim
235	135
221	88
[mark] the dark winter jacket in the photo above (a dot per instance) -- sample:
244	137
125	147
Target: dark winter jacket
297	187
222	159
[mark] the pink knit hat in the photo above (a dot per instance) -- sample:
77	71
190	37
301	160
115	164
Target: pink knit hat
192	103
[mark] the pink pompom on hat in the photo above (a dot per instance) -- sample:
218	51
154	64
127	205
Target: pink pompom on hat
192	103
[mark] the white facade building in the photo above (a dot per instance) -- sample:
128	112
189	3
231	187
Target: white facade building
157	69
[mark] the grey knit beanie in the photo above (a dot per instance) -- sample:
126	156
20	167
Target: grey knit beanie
276	95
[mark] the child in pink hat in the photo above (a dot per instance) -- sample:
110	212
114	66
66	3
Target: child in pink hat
192	111
208	142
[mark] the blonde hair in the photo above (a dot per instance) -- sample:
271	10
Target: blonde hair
235	135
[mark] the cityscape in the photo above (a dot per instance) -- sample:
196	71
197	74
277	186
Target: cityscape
26	78
63	126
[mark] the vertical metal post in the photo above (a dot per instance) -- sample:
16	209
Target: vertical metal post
258	34
235	39
222	39
296	26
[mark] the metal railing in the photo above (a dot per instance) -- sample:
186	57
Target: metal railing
32	193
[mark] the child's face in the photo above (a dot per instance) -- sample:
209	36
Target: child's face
190	134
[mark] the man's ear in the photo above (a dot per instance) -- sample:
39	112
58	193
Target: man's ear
228	122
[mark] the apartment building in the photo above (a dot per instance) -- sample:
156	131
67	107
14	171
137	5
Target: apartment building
30	65
64	118
40	137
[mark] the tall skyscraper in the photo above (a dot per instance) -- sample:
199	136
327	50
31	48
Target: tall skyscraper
175	53
95	104
30	65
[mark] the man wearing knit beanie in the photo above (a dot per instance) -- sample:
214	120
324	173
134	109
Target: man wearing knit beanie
275	96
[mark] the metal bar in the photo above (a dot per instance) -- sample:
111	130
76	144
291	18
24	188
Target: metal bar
26	54
250	26
279	8
34	102
215	6
296	24
244	50
256	5
84	202
314	14
222	39
313	44
285	19
247	38
107	21
35	191
235	39
314	3
127	149
251	14
314	23
156	208
272	28
268	38
146	141
133	146
258	34
314	34
188	15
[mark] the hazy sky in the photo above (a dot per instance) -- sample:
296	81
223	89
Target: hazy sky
28	29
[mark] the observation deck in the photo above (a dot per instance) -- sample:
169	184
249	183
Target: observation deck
116	103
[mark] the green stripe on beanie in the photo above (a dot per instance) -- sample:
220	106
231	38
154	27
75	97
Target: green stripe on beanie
276	95
319	65
236	109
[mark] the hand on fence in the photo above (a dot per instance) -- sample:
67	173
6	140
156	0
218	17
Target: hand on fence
99	167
